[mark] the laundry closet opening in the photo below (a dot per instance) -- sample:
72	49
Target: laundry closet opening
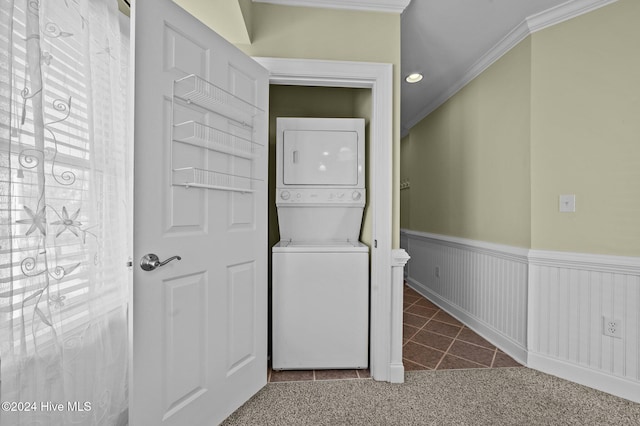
314	102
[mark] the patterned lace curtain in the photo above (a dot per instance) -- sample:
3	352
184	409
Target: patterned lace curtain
65	212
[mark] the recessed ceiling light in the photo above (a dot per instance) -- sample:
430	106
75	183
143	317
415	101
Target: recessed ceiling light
413	78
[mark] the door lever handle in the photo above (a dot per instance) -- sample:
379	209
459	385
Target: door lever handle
150	261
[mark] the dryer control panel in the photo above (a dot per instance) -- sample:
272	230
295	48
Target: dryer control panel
351	196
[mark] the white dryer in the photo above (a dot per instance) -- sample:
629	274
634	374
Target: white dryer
320	280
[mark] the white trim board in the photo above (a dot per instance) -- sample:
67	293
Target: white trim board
379	78
587	377
398	262
585	261
391	6
528	26
500	250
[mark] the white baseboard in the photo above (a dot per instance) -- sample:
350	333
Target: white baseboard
585	376
396	373
508	346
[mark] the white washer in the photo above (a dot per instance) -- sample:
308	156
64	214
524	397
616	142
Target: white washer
320	272
320	306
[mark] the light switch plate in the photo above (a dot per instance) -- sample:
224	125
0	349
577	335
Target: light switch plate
568	203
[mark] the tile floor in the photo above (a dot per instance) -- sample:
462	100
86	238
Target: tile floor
432	340
298	375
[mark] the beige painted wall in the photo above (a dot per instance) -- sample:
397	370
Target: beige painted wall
315	33
469	160
293	101
586	132
230	19
558	114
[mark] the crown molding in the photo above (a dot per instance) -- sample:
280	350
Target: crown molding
563	12
390	6
528	26
507	43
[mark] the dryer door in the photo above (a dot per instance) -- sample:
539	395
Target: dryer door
319	157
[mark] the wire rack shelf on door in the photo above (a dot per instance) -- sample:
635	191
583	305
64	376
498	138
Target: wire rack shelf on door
197	134
232	136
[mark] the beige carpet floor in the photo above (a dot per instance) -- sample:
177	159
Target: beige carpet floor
506	396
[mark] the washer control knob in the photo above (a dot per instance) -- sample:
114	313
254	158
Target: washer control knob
285	195
356	195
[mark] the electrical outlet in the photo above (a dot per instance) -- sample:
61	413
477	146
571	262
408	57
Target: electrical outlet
437	272
612	327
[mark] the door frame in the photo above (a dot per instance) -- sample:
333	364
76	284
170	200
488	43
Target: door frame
379	78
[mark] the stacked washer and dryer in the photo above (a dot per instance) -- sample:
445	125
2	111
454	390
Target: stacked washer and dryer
320	281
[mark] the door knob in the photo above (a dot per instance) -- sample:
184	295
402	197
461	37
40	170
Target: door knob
150	261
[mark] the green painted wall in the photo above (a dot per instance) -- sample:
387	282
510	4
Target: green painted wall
330	34
586	132
469	160
558	114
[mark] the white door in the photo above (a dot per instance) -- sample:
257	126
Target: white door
199	323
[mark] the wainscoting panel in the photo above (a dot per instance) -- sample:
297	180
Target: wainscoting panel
543	308
484	285
569	295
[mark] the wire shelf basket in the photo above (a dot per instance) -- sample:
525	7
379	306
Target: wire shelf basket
197	134
194	89
201	178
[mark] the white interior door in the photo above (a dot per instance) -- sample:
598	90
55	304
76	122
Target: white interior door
199	323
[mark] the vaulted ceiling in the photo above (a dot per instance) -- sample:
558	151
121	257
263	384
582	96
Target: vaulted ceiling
452	41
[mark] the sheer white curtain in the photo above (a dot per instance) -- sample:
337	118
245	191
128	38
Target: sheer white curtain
65	222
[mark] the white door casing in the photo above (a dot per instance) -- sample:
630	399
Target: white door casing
379	78
199	325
